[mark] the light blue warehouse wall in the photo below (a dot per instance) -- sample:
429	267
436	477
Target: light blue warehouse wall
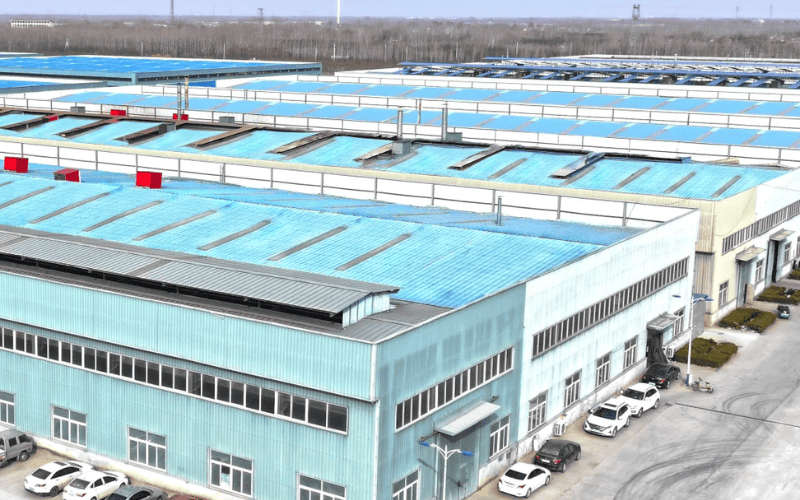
275	352
432	353
279	449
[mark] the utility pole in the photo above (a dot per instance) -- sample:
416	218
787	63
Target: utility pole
261	15
770	11
635	17
737	12
338	10
172	11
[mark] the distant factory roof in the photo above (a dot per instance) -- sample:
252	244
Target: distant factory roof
126	70
11	85
436	265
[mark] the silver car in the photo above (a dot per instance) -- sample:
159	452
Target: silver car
137	493
15	444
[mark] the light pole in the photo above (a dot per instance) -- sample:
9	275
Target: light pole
446	454
700	298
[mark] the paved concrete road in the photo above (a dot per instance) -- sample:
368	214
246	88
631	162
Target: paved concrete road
740	442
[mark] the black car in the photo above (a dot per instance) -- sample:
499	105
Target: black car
661	375
555	454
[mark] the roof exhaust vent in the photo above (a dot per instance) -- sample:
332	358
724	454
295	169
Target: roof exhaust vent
67	174
401	147
15	164
577	165
150	180
226	119
77	109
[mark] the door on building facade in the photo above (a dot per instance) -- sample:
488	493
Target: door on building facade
655	347
743	279
462	471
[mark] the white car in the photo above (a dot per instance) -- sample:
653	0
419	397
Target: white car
641	397
521	479
608	418
94	485
51	478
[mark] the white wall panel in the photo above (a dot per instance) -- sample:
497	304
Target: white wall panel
297	188
297	177
528	200
247	171
42	151
405	188
405	200
348	193
483	196
116	158
122	169
10	148
348	182
587	206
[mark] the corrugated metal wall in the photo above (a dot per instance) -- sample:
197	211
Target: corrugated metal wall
703	273
270	351
422	358
279	449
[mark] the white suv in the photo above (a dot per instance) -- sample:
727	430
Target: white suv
608	418
641	397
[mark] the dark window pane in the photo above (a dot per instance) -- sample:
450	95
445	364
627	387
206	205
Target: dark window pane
252	400
284	404
180	379
298	408
127	367
423	402
8	338
140	370
237	393
113	364
398	418
337	418
317	412
53	349
152	373
223	390
88	358
481	368
195	383
102	361
166	376
77	355
30	346
267	400
473	377
415	408
42	347
66	352
440	393
21	341
208	386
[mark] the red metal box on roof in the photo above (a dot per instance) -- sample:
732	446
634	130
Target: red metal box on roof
67	174
19	165
150	180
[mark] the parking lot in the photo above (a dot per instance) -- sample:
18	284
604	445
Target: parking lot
738	442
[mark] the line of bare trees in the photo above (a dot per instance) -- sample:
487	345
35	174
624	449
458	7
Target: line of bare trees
369	43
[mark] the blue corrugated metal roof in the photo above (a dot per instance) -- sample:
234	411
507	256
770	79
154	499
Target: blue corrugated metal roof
438	265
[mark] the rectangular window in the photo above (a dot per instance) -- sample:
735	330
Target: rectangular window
237	393
537	412
127	367
114	364
41	344
66	352
101	359
630	353
208	386
147	449
140	370
787	253
498	440
195	384
88	358
603	370
53	351
180	379
69	426
230	473
760	271
285	404
223	390
153	370
407	488
314	489
6	408
723	294
166	376
572	389
253	397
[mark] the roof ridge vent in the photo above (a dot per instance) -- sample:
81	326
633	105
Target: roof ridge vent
578	165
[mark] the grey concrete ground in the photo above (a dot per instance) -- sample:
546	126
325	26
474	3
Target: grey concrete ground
741	441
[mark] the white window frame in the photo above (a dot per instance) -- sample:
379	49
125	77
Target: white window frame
787	253
7	408
322	492
407	488
73	426
723	294
572	389
149	443
233	468
630	352
498	439
603	373
760	271
537	412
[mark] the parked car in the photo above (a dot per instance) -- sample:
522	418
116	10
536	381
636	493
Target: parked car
608	418
15	444
94	485
51	478
557	453
523	479
184	497
783	311
641	397
661	375
128	492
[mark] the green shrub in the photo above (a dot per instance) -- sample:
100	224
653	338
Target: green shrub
780	295
795	274
738	317
761	321
706	352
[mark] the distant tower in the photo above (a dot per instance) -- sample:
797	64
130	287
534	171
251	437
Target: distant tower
635	17
261	15
737	12
172	11
338	10
770	11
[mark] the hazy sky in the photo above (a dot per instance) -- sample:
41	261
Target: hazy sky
419	8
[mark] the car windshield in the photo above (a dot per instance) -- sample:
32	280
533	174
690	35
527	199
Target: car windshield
606	413
515	474
41	474
553	449
116	496
79	484
630	393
